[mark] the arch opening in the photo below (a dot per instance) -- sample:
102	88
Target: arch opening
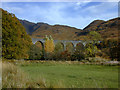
40	45
79	46
59	47
70	47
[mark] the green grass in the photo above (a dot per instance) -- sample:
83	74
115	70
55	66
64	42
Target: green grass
74	75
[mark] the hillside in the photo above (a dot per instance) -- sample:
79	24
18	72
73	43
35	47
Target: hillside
28	26
107	29
93	25
59	32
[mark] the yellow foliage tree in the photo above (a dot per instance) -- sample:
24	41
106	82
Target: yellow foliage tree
49	44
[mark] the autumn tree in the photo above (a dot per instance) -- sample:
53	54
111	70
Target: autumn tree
15	41
94	37
70	48
59	48
79	52
65	55
49	46
90	48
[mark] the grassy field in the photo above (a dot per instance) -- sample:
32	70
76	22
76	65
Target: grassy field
74	75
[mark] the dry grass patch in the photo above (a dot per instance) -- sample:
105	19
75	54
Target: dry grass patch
13	77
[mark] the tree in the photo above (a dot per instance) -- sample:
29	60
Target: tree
70	48
79	52
35	53
49	47
90	48
65	55
59	48
49	44
94	37
15	41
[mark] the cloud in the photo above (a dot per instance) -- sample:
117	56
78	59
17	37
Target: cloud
104	9
75	14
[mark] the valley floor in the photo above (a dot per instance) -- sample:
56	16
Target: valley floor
71	75
74	75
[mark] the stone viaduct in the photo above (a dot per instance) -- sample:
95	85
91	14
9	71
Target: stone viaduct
64	42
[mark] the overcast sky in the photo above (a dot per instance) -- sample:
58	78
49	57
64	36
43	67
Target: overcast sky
74	14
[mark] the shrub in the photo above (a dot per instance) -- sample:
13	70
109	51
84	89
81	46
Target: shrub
91	50
114	52
65	55
35	53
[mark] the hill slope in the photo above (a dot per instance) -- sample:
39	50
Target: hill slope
59	32
108	29
28	26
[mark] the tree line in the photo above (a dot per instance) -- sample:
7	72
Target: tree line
95	47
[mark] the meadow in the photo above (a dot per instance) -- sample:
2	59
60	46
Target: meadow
58	74
72	75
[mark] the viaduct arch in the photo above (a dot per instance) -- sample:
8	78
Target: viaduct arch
64	42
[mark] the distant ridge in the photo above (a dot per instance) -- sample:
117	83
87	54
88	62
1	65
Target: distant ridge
40	29
107	29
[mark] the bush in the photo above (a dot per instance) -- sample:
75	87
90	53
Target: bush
114	52
35	53
66	55
91	50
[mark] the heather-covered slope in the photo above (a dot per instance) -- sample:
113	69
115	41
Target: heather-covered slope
107	29
59	32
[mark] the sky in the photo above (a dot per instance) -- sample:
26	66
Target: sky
74	14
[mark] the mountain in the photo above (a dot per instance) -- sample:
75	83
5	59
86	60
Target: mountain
93	25
107	29
28	26
59	32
